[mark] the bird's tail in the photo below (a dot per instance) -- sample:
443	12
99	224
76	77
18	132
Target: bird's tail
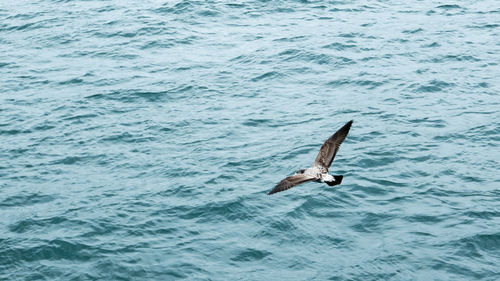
337	180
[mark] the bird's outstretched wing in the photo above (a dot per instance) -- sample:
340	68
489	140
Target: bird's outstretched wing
331	146
290	182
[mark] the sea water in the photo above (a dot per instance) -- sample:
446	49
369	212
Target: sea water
138	140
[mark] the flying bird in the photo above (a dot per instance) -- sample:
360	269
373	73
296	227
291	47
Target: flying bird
319	170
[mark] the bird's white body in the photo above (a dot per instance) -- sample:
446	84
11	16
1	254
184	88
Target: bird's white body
327	177
318	172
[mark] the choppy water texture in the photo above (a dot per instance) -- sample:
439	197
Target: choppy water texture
139	139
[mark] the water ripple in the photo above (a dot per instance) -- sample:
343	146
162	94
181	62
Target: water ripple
139	141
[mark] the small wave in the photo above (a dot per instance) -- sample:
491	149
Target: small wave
208	13
250	255
371	222
376	162
257	122
267	76
291	39
37	250
14	132
72	81
131	96
432	45
449	6
433	87
181	7
459	58
369	84
26	200
232	210
477	243
339	46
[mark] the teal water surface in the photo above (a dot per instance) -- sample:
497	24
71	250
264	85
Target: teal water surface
138	140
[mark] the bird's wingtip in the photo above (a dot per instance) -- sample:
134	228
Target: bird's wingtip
347	125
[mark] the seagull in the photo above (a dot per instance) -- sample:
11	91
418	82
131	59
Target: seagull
319	170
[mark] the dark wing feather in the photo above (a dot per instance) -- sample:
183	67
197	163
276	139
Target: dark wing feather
290	182
331	146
